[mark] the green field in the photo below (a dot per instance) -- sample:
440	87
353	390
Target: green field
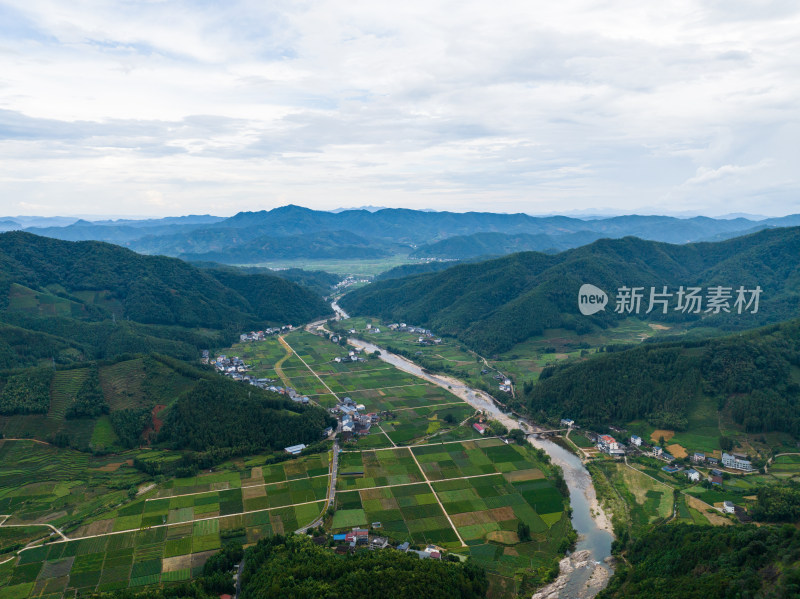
165	535
364	267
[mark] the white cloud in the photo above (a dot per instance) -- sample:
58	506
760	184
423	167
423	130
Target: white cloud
453	105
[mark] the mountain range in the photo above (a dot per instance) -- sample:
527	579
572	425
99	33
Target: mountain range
295	232
495	304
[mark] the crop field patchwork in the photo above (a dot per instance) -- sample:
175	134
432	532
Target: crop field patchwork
405	513
377	468
471	458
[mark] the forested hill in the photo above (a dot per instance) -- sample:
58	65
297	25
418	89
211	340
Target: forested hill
752	376
461	247
493	305
96	281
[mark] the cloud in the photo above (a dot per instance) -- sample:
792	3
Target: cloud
706	175
429	104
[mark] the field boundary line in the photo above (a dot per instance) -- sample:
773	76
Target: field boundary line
286	344
439	501
234	488
168	524
422	482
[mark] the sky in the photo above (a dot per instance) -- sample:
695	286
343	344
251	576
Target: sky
157	107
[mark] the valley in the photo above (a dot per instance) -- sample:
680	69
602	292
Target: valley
144	437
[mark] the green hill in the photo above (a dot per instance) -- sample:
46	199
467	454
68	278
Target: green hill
493	305
753	377
200	409
71	301
461	247
102	279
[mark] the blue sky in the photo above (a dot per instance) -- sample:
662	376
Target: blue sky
168	107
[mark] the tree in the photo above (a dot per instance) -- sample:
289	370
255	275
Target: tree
725	443
523	531
518	436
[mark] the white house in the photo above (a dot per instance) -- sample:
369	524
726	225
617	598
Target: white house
728	507
567	422
737	461
657	451
693	475
636	440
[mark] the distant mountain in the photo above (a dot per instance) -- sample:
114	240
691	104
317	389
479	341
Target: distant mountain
496	304
252	237
499	244
9	225
320	245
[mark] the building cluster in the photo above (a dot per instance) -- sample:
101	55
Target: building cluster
737	461
505	382
261	335
350	280
235	368
360	537
426	337
352	419
608	444
354	355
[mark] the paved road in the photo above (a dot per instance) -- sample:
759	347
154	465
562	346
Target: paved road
331	491
239	579
50	526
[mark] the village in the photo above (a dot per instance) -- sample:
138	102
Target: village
696	468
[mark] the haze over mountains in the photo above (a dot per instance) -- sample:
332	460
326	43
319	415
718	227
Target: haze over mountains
296	232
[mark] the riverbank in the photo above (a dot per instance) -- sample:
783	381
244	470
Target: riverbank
584	573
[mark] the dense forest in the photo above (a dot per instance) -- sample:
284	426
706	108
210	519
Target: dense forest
67	302
27	392
749	374
315	245
145	289
493	305
89	401
293	567
220	413
319	281
710	562
462	247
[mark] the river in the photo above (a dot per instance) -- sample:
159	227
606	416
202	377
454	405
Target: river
586	572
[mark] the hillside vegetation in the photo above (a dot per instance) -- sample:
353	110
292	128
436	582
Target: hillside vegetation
294	567
71	301
749	375
704	562
217	413
493	305
462	247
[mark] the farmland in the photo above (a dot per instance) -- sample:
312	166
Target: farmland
521	363
466	496
422	475
164	535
